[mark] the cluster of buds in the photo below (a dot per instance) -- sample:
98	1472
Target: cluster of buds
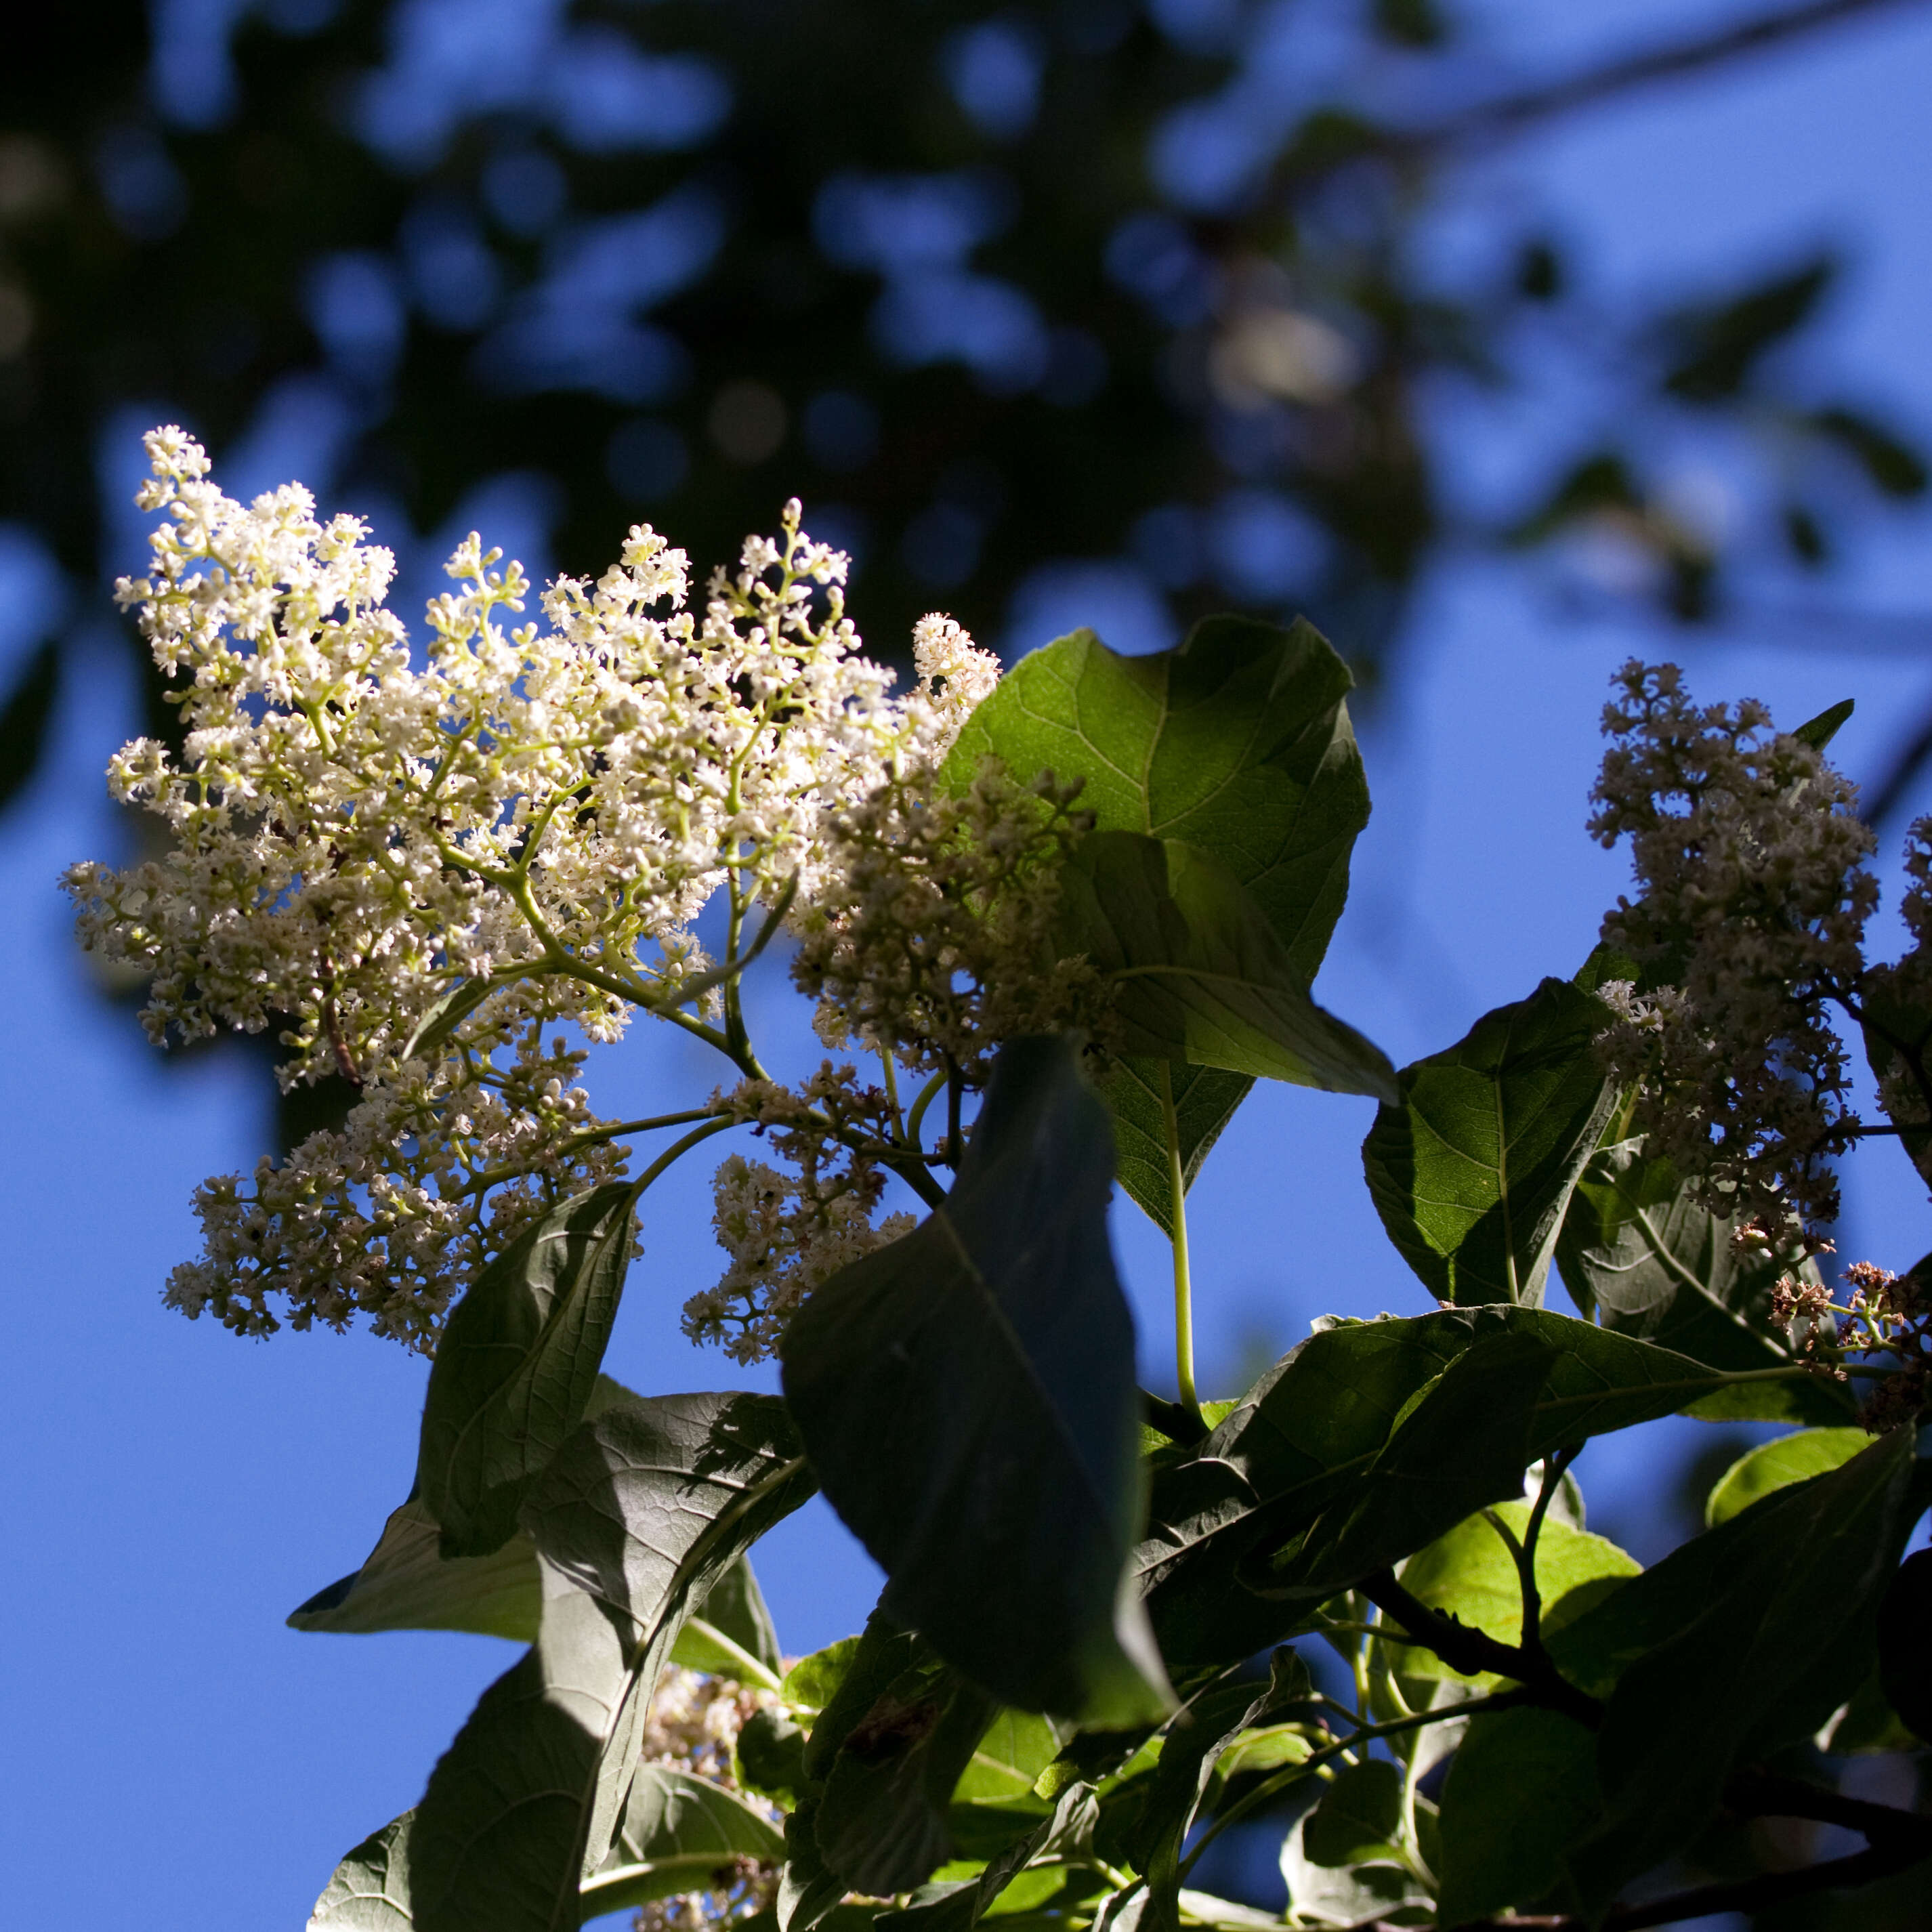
1886	1319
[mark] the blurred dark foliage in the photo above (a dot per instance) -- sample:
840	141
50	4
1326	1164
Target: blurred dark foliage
999	289
925	264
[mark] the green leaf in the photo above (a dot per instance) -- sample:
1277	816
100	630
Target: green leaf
958	1905
731	1634
369	1891
1340	1860
1189	1755
1818	732
1638	1252
517	1365
769	1757
1017	1747
406	1583
813	1682
1471	1574
640	1513
1461	1443
1522	1785
889	1751
1720	347
1777	1465
1198	973
1315	1424
1239	742
1204	1100
1759	1639
1472	1168
1360	1815
967	1396
680	1833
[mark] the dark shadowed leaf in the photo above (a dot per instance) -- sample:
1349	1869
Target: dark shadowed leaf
1462	1444
1638	1252
517	1365
957	1905
730	1634
369	1891
1754	1642
639	1515
1238	742
1314	1425
967	1396
1198	973
1472	1168
889	1751
1522	1785
1340	1861
1189	1755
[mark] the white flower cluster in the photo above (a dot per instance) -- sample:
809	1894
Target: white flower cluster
410	871
693	1723
787	1232
1751	859
943	942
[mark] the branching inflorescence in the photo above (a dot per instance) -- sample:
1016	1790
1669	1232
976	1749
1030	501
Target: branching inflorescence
430	877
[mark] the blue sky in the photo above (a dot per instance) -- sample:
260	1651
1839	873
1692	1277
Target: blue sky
179	1758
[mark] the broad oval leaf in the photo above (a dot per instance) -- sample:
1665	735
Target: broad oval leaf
1472	1168
516	1367
1777	1465
1198	974
967	1396
1237	741
1746	1639
370	1891
640	1514
730	1634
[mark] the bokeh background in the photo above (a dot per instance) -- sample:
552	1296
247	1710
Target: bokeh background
1506	338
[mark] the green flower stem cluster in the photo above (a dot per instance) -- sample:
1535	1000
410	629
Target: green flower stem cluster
1093	892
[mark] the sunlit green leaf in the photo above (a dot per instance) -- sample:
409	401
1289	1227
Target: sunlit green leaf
1472	1168
1238	742
1776	1464
1198	974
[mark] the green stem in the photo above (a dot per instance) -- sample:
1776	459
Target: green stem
676	1151
1183	1290
927	1095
